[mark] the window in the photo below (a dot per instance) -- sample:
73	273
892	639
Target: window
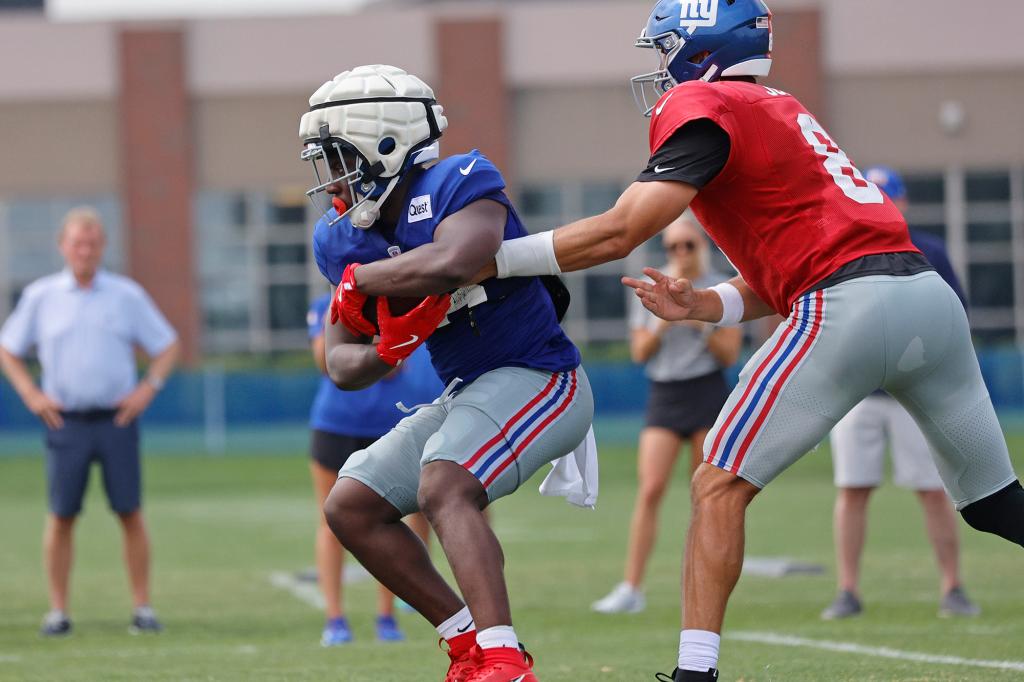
988	186
606	297
29	229
598	312
925	188
991	285
255	269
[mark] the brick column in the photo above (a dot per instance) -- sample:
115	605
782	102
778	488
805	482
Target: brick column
797	60
157	174
473	89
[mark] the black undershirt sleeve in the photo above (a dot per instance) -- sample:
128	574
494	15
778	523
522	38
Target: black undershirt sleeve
695	154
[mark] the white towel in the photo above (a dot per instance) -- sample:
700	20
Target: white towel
574	476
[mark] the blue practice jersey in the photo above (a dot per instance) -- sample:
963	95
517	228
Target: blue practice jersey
498	323
371	412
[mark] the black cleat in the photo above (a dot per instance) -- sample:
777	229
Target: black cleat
681	675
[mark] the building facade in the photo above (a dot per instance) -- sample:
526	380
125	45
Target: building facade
183	132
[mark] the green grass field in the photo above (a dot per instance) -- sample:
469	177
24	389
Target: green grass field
221	526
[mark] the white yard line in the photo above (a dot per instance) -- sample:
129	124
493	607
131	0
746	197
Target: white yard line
10	658
303	591
876	651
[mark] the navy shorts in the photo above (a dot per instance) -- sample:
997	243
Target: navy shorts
88	437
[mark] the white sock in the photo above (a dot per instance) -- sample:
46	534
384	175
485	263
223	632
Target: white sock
698	650
498	636
459	624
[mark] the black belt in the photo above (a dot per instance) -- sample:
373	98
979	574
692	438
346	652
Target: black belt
89	415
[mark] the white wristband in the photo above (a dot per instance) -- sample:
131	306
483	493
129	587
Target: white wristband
732	304
530	255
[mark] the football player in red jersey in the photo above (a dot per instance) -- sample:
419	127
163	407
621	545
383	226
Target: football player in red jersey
813	241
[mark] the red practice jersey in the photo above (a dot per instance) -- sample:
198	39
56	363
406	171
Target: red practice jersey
789	207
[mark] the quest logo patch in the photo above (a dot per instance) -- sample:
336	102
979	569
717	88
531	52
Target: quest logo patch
419	209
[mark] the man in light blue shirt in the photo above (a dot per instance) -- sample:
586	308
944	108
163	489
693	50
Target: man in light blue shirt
85	324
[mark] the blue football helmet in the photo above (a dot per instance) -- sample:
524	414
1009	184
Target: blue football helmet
888	180
703	40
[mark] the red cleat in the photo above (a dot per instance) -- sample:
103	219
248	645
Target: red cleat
502	665
460	651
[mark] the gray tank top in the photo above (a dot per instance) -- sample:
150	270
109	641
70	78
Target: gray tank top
683	353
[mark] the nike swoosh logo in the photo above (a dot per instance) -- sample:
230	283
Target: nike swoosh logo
520	678
411	341
657	18
465	171
468	626
657	111
659	169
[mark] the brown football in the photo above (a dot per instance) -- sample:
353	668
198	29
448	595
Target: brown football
398	305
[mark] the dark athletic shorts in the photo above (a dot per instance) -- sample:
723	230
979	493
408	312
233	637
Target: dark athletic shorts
688	405
87	437
332	450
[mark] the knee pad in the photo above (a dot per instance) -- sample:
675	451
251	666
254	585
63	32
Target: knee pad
1001	513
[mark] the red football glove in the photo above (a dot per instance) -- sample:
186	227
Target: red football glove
347	305
401	335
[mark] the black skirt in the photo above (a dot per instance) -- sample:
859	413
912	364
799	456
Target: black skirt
687	405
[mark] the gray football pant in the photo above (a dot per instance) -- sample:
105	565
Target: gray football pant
907	335
501	428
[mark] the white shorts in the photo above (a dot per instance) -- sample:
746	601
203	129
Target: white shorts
859	441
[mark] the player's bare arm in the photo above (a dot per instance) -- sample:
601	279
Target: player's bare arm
463	243
676	299
643	210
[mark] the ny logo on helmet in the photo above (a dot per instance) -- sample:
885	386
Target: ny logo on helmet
694	13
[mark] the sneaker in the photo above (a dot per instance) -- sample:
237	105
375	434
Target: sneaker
336	633
144	621
845	605
624	598
460	651
502	665
957	603
681	675
387	629
55	624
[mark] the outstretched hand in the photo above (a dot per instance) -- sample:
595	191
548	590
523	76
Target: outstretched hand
668	298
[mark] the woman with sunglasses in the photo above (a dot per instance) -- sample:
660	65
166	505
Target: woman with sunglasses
684	362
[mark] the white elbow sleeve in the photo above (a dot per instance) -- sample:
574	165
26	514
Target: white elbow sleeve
530	255
732	304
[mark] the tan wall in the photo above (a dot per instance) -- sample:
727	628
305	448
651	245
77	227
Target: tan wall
580	133
44	61
58	147
298	54
895	120
249	142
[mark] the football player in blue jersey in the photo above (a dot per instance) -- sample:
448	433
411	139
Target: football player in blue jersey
401	223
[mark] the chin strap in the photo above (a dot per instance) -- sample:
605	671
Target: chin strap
366	212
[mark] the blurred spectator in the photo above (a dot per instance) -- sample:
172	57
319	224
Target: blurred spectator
343	422
84	323
858	451
684	362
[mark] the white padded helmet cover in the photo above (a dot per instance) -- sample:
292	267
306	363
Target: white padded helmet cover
365	124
